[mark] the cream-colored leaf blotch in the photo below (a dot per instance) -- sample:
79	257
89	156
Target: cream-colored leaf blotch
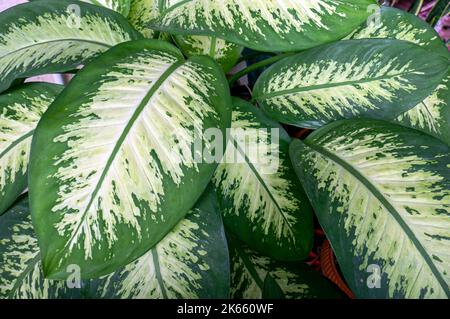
368	78
270	25
141	13
20	112
432	115
90	193
264	196
391	194
21	274
44	34
173	269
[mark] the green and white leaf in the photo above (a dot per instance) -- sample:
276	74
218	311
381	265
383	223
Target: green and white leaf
20	110
254	276
21	274
432	115
373	78
46	37
116	152
382	194
141	13
192	261
270	25
392	23
121	6
224	52
261	200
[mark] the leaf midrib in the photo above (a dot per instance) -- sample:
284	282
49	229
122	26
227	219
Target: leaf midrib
16	142
260	179
157	267
54	41
389	207
155	87
325	86
32	263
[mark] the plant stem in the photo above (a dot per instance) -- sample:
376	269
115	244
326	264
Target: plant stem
257	66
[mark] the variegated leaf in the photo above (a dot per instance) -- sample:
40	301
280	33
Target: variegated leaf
21	274
50	36
192	261
373	78
382	194
392	23
224	52
141	13
116	152
270	25
121	6
432	115
261	200
20	110
254	276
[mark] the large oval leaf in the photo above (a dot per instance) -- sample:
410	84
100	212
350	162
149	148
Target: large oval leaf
254	276
382	194
116	152
21	274
392	23
20	111
224	52
270	25
261	200
372	78
46	37
192	261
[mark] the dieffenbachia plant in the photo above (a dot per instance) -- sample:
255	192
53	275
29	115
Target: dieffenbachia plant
151	174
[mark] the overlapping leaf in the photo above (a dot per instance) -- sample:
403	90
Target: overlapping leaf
192	261
46	37
392	23
254	276
432	115
121	6
224	52
372	78
20	111
382	194
270	25
21	274
141	13
116	152
261	199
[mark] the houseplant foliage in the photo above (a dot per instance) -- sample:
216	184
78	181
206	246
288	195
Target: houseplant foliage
144	178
